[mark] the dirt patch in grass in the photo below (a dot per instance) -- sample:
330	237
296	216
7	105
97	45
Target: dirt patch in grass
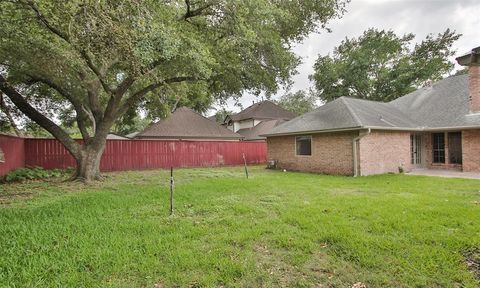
472	259
320	269
279	272
9	198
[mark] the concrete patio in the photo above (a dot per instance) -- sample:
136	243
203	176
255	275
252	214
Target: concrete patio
444	173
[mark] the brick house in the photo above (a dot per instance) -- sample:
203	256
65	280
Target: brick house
435	127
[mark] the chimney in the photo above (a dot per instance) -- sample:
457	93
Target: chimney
472	60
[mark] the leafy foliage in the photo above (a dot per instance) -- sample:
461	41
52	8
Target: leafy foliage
105	61
221	114
36	173
380	66
299	102
224	47
130	125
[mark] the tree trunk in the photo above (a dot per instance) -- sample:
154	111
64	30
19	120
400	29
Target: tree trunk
88	163
6	110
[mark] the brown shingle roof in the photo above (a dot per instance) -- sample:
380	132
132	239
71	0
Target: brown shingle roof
112	136
185	123
263	110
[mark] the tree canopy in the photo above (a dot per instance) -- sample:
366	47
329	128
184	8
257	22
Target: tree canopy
103	59
381	66
299	102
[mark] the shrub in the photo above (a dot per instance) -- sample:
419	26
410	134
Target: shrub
35	173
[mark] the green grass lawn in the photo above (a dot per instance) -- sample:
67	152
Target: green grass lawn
275	229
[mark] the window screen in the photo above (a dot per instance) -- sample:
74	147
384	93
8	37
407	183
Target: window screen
438	148
304	145
455	147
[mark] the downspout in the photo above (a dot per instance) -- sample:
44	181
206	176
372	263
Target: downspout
355	154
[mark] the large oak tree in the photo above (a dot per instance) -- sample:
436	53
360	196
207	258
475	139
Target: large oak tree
381	66
299	102
103	58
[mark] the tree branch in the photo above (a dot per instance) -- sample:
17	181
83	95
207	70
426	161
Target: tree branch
92	93
44	21
77	105
194	12
142	92
96	71
129	80
6	110
19	101
83	53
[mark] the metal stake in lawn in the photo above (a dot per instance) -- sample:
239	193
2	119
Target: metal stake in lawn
172	182
245	164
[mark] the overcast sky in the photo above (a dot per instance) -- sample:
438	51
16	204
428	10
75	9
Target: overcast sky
420	17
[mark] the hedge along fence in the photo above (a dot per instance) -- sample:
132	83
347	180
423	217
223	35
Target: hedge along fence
134	154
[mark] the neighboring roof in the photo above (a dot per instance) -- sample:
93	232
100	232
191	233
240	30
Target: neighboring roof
112	136
445	104
185	123
132	135
263	110
12	135
261	128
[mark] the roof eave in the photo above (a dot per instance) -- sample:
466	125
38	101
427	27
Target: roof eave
413	129
315	131
470	59
426	129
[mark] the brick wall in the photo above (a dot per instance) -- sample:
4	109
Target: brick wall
474	87
471	150
379	152
384	152
332	153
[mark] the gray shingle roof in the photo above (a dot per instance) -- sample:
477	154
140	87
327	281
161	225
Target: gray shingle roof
444	104
185	123
263	110
333	115
263	127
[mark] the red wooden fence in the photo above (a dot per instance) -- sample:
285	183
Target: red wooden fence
14	151
145	154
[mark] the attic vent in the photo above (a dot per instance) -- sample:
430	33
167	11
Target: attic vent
385	121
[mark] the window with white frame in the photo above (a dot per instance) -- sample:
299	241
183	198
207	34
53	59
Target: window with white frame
303	145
